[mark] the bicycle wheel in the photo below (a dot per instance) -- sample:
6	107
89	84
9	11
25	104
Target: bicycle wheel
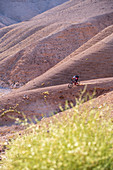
70	85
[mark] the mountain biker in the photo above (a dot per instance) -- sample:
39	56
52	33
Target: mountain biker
75	79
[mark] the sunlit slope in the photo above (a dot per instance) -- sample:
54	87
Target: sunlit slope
76	10
103	100
30	48
91	63
98	37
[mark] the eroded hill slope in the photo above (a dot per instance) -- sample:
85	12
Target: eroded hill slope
94	60
29	49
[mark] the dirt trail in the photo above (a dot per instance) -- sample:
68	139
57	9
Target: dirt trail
47	100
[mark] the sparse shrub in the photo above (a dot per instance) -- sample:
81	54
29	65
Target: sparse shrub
76	142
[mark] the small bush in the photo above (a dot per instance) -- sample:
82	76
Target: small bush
77	142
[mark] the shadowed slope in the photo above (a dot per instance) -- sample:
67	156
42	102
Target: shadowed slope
1	25
20	10
5	21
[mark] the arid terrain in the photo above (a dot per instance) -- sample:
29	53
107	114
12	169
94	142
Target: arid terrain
40	52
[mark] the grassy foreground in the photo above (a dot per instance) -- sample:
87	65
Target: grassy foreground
76	142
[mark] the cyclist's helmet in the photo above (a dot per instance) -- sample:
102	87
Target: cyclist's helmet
77	77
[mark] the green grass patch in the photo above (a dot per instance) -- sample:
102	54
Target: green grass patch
78	141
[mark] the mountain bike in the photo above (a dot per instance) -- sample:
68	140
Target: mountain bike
71	84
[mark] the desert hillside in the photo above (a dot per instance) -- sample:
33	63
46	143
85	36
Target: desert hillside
42	48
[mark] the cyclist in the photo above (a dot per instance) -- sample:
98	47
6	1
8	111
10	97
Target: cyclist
75	79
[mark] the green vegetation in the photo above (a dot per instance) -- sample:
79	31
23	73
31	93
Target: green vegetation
75	141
